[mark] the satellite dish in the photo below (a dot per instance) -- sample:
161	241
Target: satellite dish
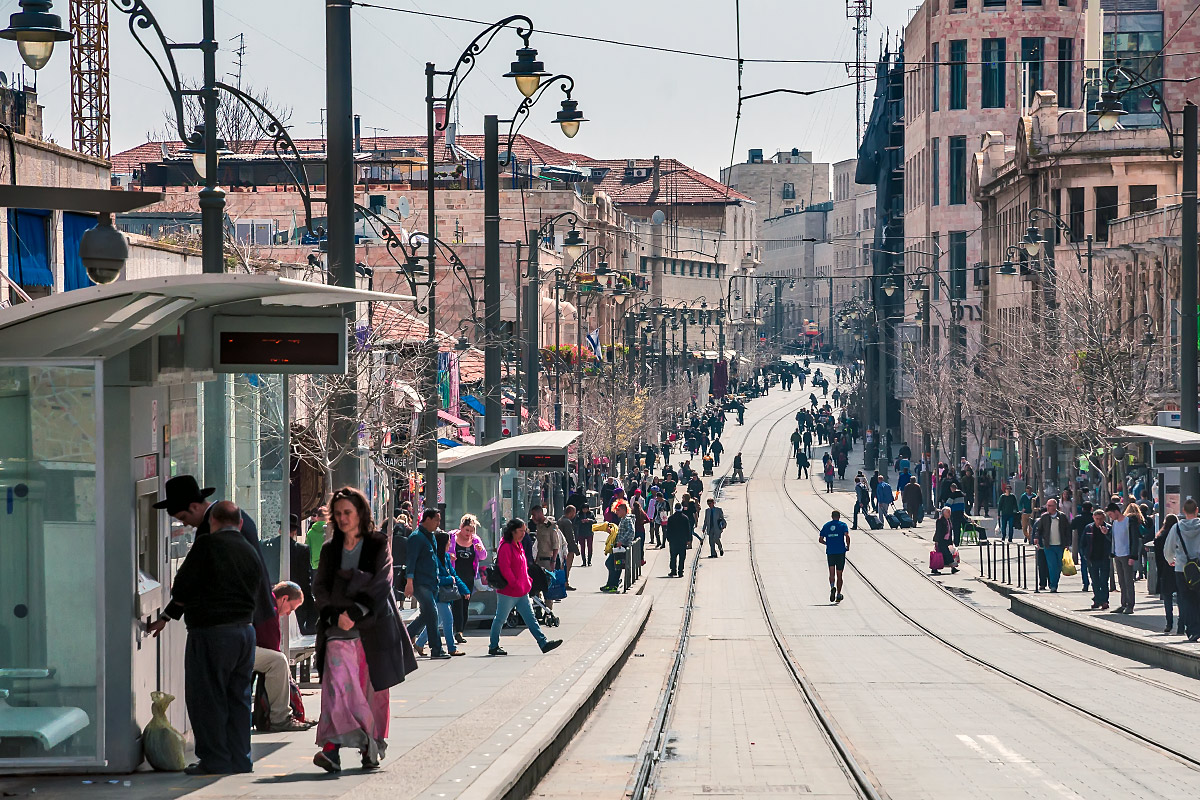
658	217
3	80
403	207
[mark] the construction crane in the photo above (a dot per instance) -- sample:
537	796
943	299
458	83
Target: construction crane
89	78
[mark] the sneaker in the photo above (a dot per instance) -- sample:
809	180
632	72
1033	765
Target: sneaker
419	650
291	726
671	575
443	656
458	653
497	651
1195	637
458	637
832	594
570	588
328	760
550	645
840	597
608	589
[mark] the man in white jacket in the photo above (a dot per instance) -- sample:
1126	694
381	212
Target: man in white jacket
1182	546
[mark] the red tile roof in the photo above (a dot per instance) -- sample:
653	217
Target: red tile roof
396	325
678	184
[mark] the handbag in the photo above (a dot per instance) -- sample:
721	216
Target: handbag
1068	564
495	578
1191	568
448	594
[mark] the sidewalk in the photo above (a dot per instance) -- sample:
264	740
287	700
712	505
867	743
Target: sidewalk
473	726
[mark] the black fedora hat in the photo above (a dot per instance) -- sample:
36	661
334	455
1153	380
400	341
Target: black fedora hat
182	491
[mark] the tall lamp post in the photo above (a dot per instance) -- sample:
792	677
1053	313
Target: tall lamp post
528	72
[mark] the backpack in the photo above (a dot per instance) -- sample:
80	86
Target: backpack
1191	569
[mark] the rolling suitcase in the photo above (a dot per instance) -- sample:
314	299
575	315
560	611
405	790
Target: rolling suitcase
892	521
905	519
874	522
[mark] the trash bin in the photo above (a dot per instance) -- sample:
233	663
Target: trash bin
1151	575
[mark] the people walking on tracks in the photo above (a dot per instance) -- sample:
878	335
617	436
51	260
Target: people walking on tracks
216	591
1124	555
714	524
362	647
801	464
514	570
1052	536
862	497
957	501
1166	573
716	449
912	497
836	538
795	441
883	496
421	572
829	473
1007	509
738	475
679	534
1182	550
943	541
1097	543
808	441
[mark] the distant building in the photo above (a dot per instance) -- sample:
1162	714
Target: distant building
843	260
789	252
785	183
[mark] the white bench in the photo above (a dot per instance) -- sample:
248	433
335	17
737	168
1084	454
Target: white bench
50	725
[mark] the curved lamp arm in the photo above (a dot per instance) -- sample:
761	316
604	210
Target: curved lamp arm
522	113
470	54
1116	72
394	243
141	19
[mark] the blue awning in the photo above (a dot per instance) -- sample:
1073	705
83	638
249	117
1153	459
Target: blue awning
474	404
448	442
28	247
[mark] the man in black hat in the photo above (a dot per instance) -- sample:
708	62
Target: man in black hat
215	591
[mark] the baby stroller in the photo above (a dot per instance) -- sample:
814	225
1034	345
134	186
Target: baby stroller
543	615
708	465
553	585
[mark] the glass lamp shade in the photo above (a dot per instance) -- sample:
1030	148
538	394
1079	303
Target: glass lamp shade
527	71
1108	111
569	116
1008	268
1032	241
573	246
35	53
528	84
889	287
570	128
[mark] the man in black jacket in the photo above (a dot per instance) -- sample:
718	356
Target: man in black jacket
679	533
215	591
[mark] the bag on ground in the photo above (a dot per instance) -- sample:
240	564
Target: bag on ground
1068	564
893	521
162	744
557	588
905	519
874	522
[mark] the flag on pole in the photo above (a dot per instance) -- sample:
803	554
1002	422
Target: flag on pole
593	343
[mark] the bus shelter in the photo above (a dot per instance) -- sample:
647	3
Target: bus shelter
497	482
87	442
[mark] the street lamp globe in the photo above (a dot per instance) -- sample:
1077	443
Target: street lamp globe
1108	111
195	149
527	71
573	245
568	117
889	287
35	30
602	267
1008	268
1032	241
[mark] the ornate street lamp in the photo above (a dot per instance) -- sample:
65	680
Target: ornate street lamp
35	30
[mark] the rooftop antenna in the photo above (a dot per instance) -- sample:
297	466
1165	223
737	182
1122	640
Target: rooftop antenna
321	123
859	70
239	54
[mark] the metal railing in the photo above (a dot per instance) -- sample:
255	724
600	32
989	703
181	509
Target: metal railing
997	562
633	562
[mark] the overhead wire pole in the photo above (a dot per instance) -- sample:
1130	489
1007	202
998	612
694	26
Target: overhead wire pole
859	69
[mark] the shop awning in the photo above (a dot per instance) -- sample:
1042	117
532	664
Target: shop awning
546	426
476	460
453	420
473	403
444	442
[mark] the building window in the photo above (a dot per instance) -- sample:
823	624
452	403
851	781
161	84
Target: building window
959	5
994	3
1075	203
1106	210
958	74
1032	48
1142	199
1066	73
1031	2
937	70
789	191
1137	40
993	73
958	170
935	279
935	172
958	265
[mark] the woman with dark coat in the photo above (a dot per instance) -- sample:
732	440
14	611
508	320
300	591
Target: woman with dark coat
1166	573
943	538
362	648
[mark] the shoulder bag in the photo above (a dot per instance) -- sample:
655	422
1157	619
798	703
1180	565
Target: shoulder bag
1191	569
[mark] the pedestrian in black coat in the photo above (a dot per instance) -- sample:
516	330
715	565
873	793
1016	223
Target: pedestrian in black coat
679	534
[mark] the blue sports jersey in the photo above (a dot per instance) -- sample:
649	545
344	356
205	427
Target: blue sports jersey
835	532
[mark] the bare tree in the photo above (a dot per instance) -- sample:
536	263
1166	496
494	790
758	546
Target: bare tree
237	124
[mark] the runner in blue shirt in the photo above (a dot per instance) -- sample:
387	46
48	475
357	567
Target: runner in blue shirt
835	535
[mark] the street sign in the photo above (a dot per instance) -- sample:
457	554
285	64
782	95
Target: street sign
1175	455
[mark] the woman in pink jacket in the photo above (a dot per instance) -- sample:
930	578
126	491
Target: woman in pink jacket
468	553
510	560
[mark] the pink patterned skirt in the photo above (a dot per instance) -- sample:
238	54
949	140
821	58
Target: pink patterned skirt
352	713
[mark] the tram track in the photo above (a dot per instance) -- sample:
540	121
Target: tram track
1142	739
654	749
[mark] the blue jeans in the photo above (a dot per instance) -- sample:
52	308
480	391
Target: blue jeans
428	618
1007	525
1083	570
614	570
445	612
1100	572
1054	557
504	607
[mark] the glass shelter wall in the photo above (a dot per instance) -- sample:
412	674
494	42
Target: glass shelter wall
51	630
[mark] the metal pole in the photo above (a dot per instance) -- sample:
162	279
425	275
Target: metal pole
557	354
1190	478
779	316
340	204
432	396
285	505
492	355
579	373
1089	266
212	220
926	438
518	356
533	324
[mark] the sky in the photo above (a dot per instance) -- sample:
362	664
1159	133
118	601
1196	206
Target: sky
639	103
